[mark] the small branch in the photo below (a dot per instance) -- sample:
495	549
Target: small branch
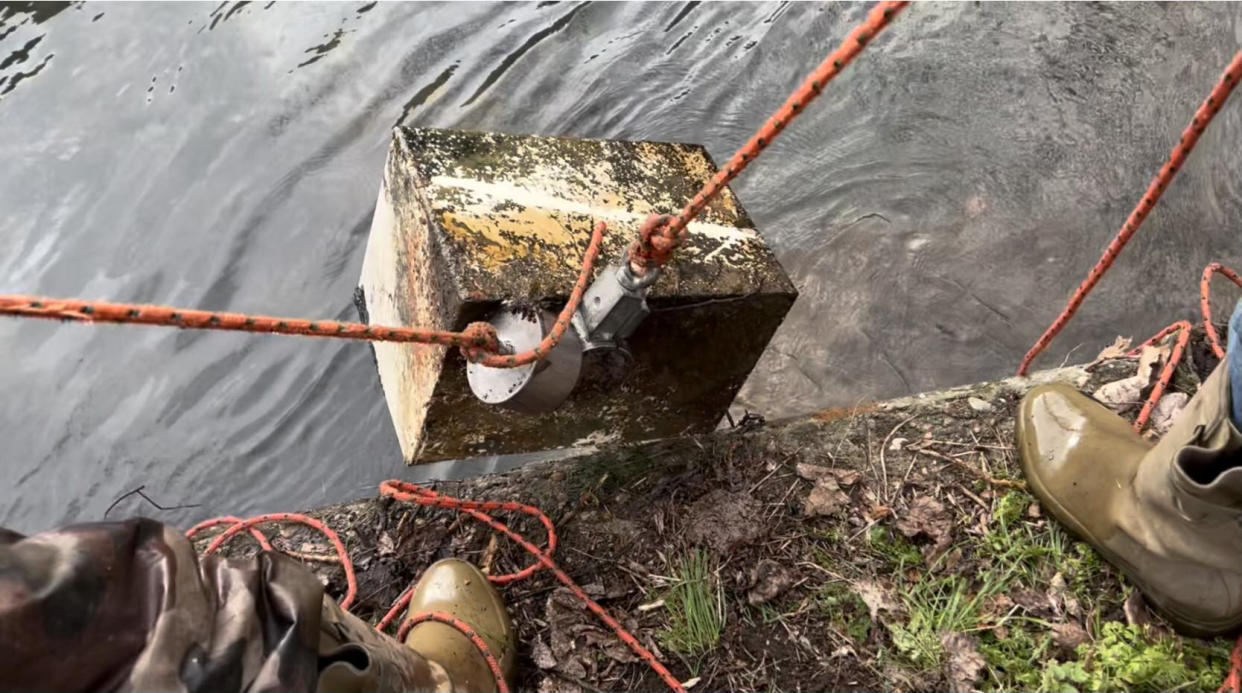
138	492
1006	483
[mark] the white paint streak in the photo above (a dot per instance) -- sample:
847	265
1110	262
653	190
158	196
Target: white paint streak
498	192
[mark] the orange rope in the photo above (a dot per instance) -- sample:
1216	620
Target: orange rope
412	493
1182	328
1233	682
478	341
464	628
1177	158
229	520
237	526
662	234
1205	302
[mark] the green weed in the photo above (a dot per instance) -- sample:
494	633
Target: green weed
845	609
937	606
894	549
1014	661
1132	658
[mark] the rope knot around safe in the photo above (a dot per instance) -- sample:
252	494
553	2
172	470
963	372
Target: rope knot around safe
481	341
657	239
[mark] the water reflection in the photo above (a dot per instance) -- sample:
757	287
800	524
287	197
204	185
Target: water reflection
934	207
14	16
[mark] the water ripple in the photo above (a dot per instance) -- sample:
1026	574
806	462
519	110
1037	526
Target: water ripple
934	207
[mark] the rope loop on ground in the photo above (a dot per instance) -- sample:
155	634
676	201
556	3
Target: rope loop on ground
237	526
407	492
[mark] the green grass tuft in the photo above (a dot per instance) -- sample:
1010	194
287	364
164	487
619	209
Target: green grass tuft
936	606
695	606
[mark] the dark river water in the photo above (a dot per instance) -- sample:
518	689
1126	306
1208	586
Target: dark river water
935	207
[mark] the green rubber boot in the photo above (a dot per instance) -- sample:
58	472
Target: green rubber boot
461	590
1168	516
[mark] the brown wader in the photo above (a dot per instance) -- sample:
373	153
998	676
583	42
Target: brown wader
122	606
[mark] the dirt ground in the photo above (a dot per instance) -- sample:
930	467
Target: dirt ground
890	546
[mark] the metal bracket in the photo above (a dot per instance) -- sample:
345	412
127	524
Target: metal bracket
613	307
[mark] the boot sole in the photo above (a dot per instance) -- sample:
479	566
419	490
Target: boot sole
1182	624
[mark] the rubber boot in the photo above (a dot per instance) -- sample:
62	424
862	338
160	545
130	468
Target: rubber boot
1169	516
356	658
460	590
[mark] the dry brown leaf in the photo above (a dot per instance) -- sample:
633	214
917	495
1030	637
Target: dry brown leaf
1061	598
980	405
558	684
812	472
1150	358
541	654
846	477
1069	636
1035	603
998	606
826	498
1166	411
1120	394
768	579
1117	350
927	516
1136	609
385	546
613	648
877	597
963	662
843	651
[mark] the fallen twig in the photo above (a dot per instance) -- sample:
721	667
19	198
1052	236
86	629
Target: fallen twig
1006	483
138	492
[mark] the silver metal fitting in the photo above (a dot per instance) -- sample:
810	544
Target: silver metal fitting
535	388
613	307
